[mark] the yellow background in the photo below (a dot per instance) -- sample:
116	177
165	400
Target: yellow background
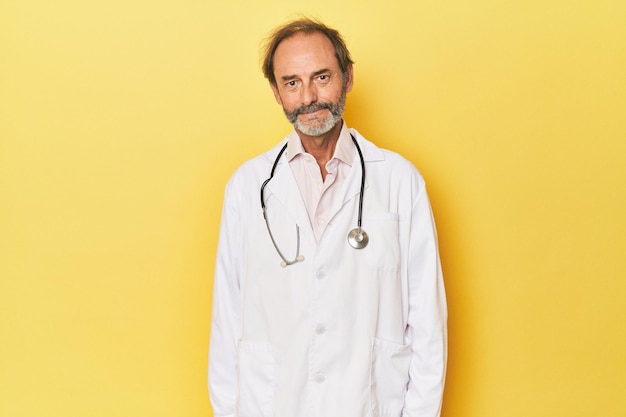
121	121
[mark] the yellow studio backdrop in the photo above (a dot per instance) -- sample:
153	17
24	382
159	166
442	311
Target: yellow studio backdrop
121	121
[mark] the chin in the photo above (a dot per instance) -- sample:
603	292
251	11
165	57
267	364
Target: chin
318	130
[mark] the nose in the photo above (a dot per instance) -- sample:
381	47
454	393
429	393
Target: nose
308	94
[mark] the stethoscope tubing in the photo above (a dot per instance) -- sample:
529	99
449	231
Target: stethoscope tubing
357	238
360	215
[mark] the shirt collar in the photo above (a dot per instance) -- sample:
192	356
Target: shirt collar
344	149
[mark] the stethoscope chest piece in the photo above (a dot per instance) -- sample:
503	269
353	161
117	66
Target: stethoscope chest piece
357	238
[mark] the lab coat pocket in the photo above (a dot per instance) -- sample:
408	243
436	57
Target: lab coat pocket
389	377
256	380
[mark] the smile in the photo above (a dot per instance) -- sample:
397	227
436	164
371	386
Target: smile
313	115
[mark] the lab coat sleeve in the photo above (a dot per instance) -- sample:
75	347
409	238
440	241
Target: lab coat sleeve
427	316
226	312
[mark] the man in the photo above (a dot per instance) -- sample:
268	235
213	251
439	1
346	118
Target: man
309	317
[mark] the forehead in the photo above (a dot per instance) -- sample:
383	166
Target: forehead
304	53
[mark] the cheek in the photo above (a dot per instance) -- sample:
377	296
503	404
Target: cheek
277	95
332	94
289	103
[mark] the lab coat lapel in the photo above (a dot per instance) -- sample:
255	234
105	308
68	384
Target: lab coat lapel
353	183
284	188
352	187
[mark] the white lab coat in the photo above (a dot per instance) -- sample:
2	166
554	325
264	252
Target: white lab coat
346	333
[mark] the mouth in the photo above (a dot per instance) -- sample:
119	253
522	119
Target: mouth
309	114
315	114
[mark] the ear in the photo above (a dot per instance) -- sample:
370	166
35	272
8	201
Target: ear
276	93
350	79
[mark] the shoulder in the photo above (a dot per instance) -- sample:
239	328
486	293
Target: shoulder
386	161
254	171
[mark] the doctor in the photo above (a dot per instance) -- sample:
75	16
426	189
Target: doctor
328	295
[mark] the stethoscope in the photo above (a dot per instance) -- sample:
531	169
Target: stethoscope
357	238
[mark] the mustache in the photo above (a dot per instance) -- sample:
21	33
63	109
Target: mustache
313	107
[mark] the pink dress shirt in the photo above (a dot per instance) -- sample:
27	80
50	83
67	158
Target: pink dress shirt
318	195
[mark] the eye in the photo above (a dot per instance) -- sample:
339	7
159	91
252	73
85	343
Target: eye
323	78
291	83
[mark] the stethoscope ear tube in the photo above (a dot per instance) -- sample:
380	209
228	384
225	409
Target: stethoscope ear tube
271	176
284	262
357	238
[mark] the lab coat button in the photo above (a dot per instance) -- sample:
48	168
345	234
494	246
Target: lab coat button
320	329
320	275
319	378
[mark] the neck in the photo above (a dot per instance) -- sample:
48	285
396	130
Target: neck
321	147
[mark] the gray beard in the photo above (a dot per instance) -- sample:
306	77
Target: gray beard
318	127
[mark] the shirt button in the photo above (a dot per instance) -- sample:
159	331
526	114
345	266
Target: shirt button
320	329
320	275
319	378
320	221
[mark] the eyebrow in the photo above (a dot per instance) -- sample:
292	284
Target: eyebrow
320	72
316	73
